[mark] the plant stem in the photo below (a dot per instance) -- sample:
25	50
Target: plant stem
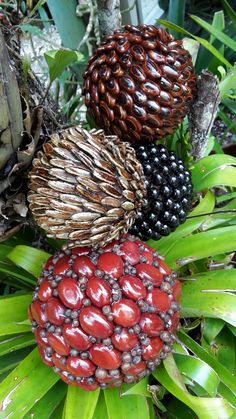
203	112
109	16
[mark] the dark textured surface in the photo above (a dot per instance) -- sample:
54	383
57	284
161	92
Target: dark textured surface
139	83
169	192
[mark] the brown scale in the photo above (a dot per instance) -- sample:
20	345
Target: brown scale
139	83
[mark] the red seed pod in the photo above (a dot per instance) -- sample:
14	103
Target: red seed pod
103	317
139	84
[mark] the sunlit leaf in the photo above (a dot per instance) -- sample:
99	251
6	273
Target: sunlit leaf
80	402
28	258
13	312
46	406
225	376
13	343
201	41
25	385
168	375
101	408
131	407
198	371
201	245
229	42
58	60
137	389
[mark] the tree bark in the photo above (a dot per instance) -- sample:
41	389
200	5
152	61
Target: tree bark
109	16
203	113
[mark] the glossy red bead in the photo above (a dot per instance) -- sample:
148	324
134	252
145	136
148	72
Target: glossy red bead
80	367
151	324
136	369
57	342
61	265
158	299
165	270
94	322
130	252
132	287
46	359
176	291
42	341
175	322
70	293
38	314
48	264
104	357
111	264
126	313
57	361
99	291
45	291
152	350
76	337
150	273
124	341
83	266
55	311
148	256
80	251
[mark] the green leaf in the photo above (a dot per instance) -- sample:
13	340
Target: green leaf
11	360
221	36
231	13
17	273
201	245
224	349
101	409
131	407
25	385
227	83
176	12
207	171
78	400
225	376
201	41
212	328
39	4
13	343
70	27
13	311
168	375
45	407
137	389
199	299
29	258
58	60
199	372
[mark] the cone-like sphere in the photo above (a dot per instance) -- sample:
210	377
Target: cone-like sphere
86	187
105	317
139	83
169	192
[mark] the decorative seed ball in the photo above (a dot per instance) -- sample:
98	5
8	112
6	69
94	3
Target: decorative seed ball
139	83
105	317
169	192
86	187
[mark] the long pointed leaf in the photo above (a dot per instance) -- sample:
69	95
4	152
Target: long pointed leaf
25	385
221	36
13	313
28	258
80	403
125	407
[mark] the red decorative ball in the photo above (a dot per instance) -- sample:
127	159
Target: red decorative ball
139	83
107	316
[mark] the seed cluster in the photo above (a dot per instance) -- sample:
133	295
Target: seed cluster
105	317
139	83
169	192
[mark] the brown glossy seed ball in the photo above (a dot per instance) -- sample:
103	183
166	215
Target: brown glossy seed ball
139	83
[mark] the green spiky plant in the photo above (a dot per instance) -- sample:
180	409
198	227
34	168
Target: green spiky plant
198	378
